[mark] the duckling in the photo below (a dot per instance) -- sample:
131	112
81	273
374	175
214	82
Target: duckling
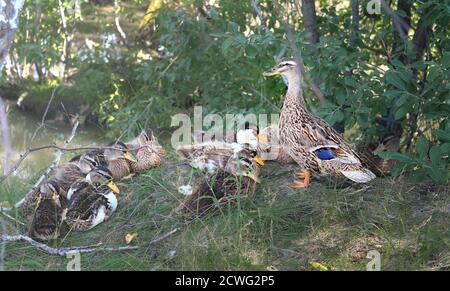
149	153
314	145
118	160
234	171
67	174
45	211
92	201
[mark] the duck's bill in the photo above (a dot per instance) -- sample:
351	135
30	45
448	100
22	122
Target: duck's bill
251	176
271	73
113	187
259	160
262	137
129	157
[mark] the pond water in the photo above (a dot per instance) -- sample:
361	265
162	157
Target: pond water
22	127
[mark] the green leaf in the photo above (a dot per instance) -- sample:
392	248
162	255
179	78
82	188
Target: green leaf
339	116
395	156
442	134
401	112
435	155
393	79
422	147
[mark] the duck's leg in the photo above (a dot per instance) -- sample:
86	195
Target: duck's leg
306	176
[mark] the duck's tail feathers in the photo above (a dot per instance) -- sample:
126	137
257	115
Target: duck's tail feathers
359	175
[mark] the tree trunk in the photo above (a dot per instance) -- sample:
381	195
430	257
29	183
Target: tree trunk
9	12
310	20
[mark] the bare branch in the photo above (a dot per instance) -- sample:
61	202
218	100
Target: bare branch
52	165
63	252
400	25
255	4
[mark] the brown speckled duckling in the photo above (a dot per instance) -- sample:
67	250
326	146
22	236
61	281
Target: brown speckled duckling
118	160
149	153
92	201
45	211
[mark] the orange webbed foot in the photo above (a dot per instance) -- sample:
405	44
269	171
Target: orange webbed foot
306	176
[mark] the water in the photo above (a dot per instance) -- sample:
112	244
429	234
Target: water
22	127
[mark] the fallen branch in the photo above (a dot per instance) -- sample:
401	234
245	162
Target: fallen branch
163	237
63	252
52	165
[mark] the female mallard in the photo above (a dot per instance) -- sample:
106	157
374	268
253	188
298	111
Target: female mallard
310	141
118	160
76	169
148	152
229	173
92	201
45	211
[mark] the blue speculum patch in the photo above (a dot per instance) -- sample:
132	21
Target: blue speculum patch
324	154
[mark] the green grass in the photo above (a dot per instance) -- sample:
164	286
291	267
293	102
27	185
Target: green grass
277	227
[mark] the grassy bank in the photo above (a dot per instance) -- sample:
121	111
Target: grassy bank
276	228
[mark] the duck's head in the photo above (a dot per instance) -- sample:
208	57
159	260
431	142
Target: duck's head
288	69
87	162
246	153
100	176
118	151
146	137
50	188
244	165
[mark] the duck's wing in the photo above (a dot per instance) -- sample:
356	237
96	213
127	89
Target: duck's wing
208	149
326	144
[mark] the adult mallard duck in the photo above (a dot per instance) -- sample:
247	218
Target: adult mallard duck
231	170
309	140
45	211
92	201
76	169
149	153
118	160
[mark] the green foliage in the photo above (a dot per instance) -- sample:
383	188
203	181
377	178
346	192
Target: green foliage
214	57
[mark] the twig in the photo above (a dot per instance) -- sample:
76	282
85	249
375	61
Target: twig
163	237
63	252
33	137
400	25
255	4
117	21
52	165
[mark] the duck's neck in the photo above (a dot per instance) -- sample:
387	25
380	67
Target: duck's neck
294	96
